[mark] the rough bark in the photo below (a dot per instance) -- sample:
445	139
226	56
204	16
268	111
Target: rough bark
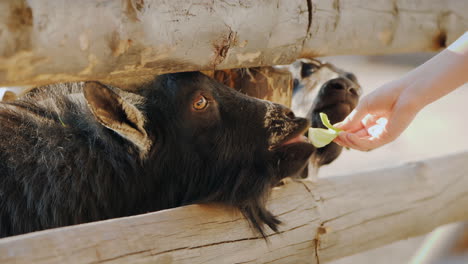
44	41
332	218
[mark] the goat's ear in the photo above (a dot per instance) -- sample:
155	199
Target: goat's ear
113	112
8	96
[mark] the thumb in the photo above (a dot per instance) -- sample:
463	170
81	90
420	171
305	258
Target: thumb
353	121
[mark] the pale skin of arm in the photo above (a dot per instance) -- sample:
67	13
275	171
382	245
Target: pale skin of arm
398	102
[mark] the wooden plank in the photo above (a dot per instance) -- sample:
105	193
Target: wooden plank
45	41
332	218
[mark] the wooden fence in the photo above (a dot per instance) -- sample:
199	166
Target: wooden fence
326	220
44	41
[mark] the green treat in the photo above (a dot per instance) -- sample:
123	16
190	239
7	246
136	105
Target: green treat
321	137
326	122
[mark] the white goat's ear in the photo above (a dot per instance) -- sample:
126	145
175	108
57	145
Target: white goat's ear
113	112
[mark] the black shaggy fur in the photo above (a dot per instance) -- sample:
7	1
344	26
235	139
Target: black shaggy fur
80	152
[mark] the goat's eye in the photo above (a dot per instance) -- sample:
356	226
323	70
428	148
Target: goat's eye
200	103
308	68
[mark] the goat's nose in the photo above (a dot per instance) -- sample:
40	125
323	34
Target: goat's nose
337	84
286	112
343	84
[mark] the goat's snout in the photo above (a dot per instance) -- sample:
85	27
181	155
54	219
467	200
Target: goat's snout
345	85
287	113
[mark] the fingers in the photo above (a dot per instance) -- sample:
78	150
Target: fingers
400	119
379	118
366	143
361	133
350	121
371	136
370	120
353	121
377	133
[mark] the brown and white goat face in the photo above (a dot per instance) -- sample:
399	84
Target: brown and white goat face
322	87
312	77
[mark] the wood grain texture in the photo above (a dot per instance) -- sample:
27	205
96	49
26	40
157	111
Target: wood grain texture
326	220
45	41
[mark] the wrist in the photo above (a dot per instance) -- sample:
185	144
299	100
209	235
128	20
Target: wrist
415	96
437	77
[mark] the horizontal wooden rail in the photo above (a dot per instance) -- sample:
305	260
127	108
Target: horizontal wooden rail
44	41
332	218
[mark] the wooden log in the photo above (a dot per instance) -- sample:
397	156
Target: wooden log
384	26
332	218
265	83
44	41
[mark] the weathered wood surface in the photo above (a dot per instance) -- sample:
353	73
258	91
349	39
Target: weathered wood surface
332	218
44	41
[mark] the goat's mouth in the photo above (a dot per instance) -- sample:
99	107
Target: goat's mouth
293	152
297	137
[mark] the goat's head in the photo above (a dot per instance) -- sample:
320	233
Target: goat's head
201	141
322	87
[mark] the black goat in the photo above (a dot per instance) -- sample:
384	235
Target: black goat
79	152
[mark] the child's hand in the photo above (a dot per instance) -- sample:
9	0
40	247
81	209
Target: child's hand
379	118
